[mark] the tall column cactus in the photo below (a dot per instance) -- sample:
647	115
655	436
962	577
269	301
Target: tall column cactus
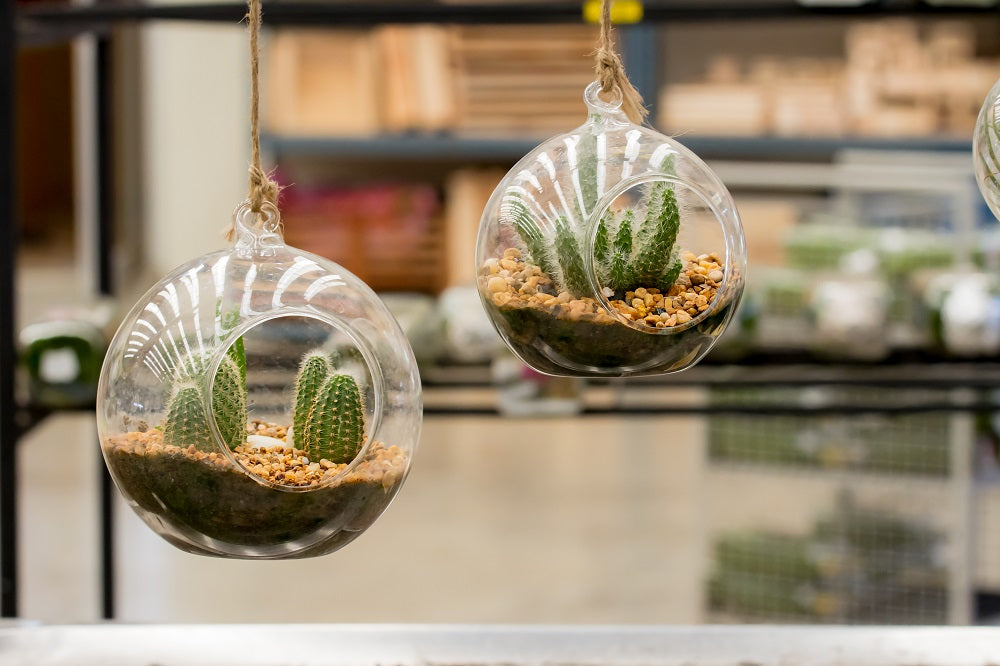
656	258
335	427
229	402
313	371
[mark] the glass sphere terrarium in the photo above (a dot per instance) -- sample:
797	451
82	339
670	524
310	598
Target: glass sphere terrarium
986	149
611	250
259	402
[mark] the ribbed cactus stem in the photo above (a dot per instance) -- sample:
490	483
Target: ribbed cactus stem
587	171
602	247
670	276
335	428
236	350
620	274
313	371
531	235
570	260
658	233
187	421
229	403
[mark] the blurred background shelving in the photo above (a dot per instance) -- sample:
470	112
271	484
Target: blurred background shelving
827	441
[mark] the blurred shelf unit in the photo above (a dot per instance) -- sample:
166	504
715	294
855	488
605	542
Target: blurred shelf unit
890	516
520	80
898	78
856	563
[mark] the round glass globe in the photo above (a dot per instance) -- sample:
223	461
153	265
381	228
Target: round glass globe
259	402
611	250
986	149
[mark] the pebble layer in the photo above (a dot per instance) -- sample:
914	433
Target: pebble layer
513	282
281	465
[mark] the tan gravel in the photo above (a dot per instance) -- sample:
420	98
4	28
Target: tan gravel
280	465
513	282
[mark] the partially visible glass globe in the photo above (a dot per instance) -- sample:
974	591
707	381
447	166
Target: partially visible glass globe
986	149
611	250
259	402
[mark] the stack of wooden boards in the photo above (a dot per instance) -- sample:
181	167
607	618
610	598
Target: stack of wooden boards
515	79
897	79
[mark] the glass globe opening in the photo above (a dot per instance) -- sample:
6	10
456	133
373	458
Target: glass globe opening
312	401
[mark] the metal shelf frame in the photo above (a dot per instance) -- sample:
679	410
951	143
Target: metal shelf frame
55	22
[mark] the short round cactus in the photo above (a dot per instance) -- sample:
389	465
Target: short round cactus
187	419
187	422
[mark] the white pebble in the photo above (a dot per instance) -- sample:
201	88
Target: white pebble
264	442
715	276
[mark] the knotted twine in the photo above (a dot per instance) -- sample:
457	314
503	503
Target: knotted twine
261	188
611	71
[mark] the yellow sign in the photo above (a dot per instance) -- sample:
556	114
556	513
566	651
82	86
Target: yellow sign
622	11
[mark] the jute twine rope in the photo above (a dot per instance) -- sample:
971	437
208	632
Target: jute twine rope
611	71
261	187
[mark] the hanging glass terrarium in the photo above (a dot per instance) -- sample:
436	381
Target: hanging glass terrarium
259	402
986	149
611	250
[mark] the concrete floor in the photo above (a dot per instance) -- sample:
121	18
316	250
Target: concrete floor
590	520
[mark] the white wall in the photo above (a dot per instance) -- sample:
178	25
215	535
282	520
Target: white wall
196	137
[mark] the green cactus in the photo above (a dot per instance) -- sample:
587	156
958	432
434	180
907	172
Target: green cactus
229	402
531	235
620	275
574	277
236	351
187	422
587	171
313	371
659	233
184	426
669	277
633	255
602	247
335	427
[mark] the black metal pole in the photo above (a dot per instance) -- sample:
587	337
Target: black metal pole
105	229
8	358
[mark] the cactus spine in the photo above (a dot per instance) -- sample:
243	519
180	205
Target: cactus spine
574	277
659	233
313	371
229	402
602	247
335	427
635	254
187	422
531	235
620	275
